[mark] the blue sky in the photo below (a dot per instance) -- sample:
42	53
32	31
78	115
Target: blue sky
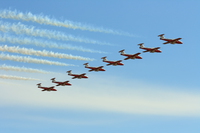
159	93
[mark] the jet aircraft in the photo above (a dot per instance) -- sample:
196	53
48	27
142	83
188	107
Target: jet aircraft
130	56
96	69
114	63
46	88
78	76
171	41
151	50
65	83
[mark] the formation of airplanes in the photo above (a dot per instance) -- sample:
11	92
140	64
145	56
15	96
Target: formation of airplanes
114	63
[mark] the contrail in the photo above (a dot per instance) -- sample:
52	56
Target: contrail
41	19
16	77
31	60
42	43
45	53
23	69
32	31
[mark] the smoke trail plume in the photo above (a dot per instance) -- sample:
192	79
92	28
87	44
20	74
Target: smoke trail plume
42	43
23	69
31	60
32	31
16	77
41	19
26	51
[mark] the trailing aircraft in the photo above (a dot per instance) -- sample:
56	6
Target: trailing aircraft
65	83
151	50
46	88
114	63
130	56
171	41
78	76
96	69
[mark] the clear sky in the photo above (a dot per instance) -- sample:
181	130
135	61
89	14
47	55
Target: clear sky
157	94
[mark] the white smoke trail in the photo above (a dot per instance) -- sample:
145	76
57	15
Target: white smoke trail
42	43
32	31
31	60
49	21
23	69
45	53
16	77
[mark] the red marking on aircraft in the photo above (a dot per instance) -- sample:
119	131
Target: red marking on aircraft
114	63
78	76
46	88
171	41
130	56
151	50
96	69
65	83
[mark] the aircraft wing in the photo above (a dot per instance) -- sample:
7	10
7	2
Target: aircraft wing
65	82
119	61
166	42
100	67
81	75
137	53
127	58
157	48
110	63
177	39
75	77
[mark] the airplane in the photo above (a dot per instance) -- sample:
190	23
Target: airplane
114	63
151	50
79	76
130	56
96	69
171	41
46	88
65	83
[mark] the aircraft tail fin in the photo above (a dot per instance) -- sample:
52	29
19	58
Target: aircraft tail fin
69	72
53	79
161	36
104	58
86	64
39	85
141	45
122	51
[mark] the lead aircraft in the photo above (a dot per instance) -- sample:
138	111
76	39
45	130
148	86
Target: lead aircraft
151	50
171	41
114	63
46	88
78	76
130	56
65	83
96	69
